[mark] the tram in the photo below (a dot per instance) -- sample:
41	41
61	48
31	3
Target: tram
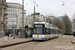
44	31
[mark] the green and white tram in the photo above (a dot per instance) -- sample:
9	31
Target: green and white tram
44	31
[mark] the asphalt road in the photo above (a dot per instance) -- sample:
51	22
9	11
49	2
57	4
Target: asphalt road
63	42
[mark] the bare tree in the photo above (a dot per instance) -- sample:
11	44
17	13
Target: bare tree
67	24
58	23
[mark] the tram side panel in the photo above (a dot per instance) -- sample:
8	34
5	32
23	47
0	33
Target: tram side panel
51	33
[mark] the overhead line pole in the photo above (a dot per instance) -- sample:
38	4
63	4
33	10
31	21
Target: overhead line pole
22	18
34	13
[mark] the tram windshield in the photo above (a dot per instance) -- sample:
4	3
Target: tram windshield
38	29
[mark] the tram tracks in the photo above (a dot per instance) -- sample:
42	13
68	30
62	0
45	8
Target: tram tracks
56	44
28	44
62	46
24	46
61	41
33	47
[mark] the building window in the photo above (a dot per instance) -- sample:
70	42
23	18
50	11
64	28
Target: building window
15	14
11	14
21	11
21	15
8	26
9	6
15	18
14	22
11	10
7	10
37	16
11	18
8	18
15	10
15	6
8	14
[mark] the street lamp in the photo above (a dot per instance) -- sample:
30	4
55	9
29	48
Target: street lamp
22	18
15	26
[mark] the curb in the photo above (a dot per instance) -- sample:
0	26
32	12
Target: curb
2	46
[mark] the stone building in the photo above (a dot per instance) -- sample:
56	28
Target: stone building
38	18
14	17
3	14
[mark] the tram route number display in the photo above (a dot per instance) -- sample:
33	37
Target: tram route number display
38	25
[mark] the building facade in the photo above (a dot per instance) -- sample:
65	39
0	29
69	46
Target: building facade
14	17
38	18
3	15
49	19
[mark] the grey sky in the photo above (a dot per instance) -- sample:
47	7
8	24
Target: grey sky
49	6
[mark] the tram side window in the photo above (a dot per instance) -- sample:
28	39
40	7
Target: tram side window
57	31
47	30
51	31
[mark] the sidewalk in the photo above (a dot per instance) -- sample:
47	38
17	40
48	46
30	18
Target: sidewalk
73	40
13	41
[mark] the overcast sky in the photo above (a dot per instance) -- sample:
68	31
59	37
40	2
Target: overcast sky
49	6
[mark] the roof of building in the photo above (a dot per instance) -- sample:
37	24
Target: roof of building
13	3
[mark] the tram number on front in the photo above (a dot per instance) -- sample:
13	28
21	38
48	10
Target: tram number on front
37	36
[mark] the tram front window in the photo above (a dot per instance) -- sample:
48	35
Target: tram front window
38	29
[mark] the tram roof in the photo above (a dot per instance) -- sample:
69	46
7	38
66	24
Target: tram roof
51	25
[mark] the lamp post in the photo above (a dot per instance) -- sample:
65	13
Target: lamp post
16	21
34	13
15	26
22	18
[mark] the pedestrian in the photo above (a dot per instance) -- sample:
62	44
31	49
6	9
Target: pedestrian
17	33
26	33
74	34
7	36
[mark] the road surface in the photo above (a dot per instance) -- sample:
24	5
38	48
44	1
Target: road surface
63	42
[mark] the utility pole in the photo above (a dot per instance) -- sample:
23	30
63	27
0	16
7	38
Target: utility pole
22	18
0	21
34	13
